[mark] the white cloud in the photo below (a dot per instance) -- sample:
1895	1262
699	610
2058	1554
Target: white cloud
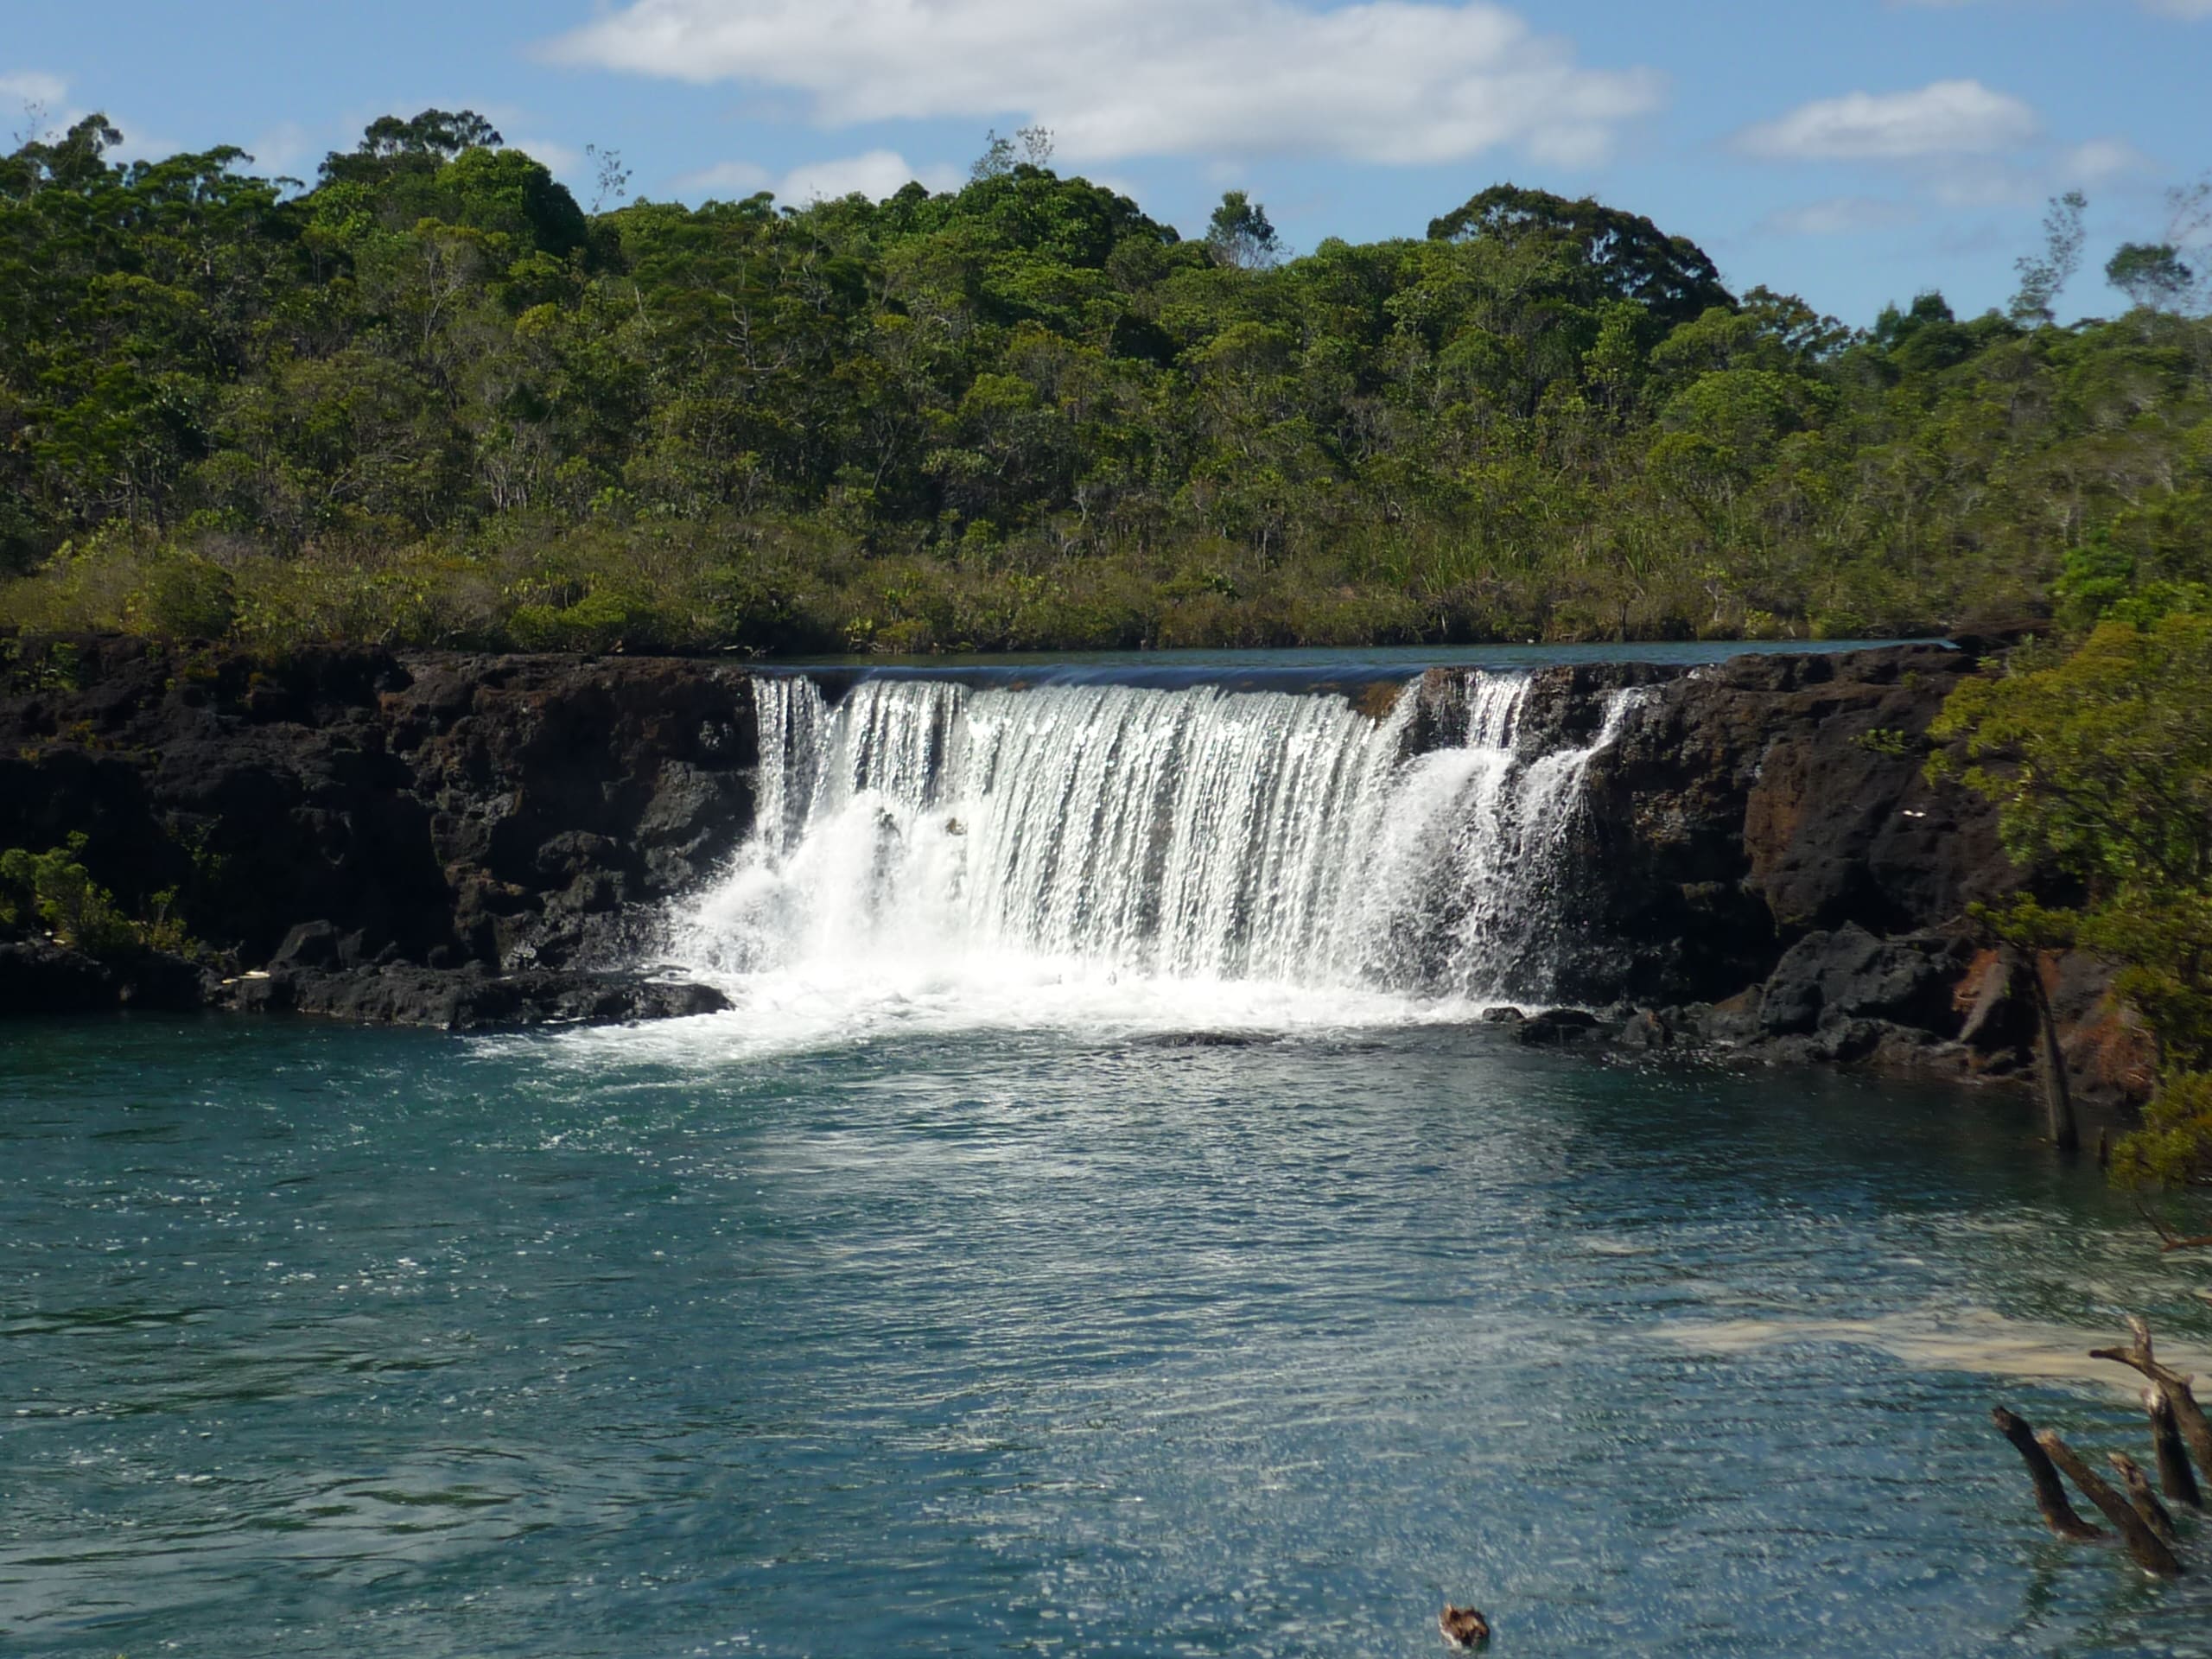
1948	117
727	180
878	173
45	99
875	174
1376	81
287	148
558	158
1986	184
29	86
2100	160
1839	216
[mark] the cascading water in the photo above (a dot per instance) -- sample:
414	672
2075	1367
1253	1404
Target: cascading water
922	839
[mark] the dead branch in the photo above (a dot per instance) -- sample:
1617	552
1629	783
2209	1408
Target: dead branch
2189	1416
2169	1240
2058	1514
2176	1478
2150	1551
2144	1501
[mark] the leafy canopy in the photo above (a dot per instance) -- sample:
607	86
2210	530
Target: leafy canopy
2100	766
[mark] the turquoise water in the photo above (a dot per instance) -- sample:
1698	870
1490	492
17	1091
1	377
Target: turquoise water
1080	1341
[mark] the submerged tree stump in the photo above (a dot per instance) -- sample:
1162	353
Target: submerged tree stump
2152	1553
2176	1478
2144	1501
2058	1514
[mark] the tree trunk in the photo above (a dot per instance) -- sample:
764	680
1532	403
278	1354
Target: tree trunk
2050	1492
2176	1478
2051	1059
2149	1550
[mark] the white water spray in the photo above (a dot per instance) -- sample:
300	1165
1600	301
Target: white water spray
1191	857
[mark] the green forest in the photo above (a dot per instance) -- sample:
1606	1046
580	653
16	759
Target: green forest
431	399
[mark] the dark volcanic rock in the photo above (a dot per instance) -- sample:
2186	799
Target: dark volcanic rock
1748	803
1763	849
467	999
38	976
337	811
1826	978
1555	1026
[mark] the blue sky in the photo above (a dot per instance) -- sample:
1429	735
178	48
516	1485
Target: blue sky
1853	151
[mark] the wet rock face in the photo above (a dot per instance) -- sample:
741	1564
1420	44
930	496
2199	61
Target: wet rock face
1748	805
342	809
1764	862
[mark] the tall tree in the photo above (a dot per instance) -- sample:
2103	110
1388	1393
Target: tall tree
1240	234
2045	274
1624	256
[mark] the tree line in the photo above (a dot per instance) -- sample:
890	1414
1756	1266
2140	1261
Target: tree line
432	400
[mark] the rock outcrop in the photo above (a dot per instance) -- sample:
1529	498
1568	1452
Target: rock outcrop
445	839
1766	867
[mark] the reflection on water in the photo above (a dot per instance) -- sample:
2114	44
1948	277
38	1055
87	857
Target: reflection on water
317	1341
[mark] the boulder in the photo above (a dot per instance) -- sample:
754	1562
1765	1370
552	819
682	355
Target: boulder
1556	1026
1829	978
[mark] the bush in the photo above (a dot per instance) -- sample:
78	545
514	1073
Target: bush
54	890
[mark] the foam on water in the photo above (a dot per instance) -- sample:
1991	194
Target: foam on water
929	854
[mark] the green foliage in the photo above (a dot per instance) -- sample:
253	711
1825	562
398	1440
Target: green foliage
2173	1149
2101	581
1888	739
1240	233
2152	275
432	401
52	890
2100	766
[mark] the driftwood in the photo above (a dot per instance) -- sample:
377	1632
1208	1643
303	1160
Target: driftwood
2169	1240
2151	1552
2176	1478
2189	1416
2050	1492
2144	1501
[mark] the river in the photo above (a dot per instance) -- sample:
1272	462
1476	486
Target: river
667	1341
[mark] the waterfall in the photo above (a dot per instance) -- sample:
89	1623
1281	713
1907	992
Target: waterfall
920	832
